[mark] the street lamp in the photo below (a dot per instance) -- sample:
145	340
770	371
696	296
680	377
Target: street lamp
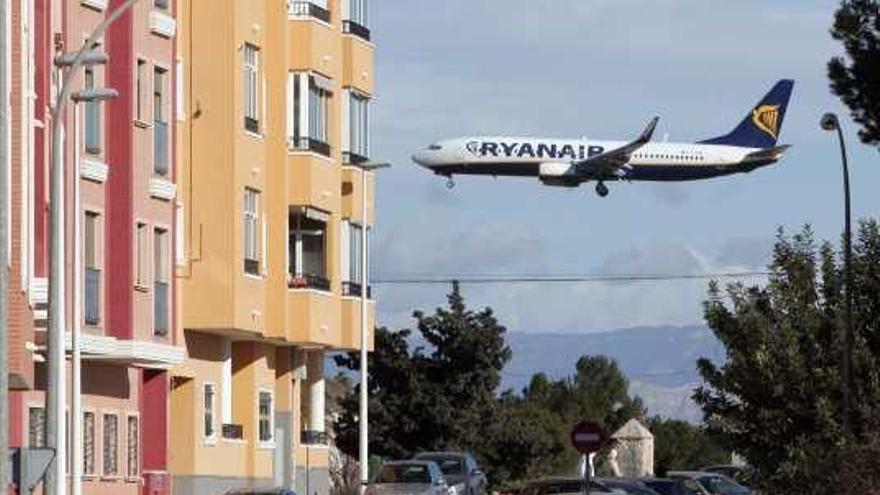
55	355
830	122
91	95
364	450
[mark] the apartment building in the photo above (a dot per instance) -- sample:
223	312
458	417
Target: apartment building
275	124
120	204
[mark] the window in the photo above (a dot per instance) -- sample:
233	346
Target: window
352	241
358	132
309	113
161	4
88	443
141	88
160	282
308	251
92	115
111	445
92	279
36	427
252	232
133	447
355	21
210	430
264	417
251	69
143	256
160	123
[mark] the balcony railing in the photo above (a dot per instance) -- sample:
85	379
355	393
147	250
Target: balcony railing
160	308
92	300
354	289
160	148
307	9
356	29
308	281
309	144
352	158
232	431
310	437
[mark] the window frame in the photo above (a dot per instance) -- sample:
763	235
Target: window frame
105	446
252	224
142	255
270	441
136	476
94	471
251	87
92	254
212	438
161	274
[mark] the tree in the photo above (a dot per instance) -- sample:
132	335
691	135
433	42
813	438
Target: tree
856	78
777	398
681	446
440	395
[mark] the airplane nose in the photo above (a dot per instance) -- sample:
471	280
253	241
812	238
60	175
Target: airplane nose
421	157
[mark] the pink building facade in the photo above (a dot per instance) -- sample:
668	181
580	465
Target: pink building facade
121	211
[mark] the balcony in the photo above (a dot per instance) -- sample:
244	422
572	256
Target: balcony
232	431
317	321
354	289
304	10
160	308
92	301
352	158
352	195
309	144
308	281
352	27
160	148
351	323
310	437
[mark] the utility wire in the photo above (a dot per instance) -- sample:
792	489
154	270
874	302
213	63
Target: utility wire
563	279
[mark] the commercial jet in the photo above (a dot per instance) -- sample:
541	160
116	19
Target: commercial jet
570	163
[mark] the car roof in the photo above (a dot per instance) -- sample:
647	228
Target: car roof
415	462
690	474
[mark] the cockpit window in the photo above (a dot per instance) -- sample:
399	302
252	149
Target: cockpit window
434	147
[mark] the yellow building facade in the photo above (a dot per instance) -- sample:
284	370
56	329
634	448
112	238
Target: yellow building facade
275	98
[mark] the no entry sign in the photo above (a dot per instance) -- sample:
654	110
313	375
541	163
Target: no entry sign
587	437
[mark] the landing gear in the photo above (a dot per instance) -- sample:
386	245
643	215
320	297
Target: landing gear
450	183
601	189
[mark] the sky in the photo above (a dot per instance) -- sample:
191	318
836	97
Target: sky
598	69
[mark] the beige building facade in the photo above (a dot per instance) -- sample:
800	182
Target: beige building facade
274	124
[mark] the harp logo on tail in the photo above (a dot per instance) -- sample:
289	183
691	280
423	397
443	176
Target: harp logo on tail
766	118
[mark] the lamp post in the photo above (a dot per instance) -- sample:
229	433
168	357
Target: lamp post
69	63
363	423
830	122
93	96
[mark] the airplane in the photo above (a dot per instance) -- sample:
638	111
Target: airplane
570	163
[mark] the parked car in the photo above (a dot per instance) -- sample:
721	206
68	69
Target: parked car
409	478
627	485
564	486
744	475
261	491
713	483
460	470
666	486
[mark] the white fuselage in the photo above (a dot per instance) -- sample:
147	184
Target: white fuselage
553	160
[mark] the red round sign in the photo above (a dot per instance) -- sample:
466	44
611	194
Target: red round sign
587	437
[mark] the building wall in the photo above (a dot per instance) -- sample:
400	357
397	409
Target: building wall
272	328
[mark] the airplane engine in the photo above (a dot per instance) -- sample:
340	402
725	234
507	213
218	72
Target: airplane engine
559	174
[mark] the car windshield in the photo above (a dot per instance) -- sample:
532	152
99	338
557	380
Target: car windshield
449	466
404	473
723	485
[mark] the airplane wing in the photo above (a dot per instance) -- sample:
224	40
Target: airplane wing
616	161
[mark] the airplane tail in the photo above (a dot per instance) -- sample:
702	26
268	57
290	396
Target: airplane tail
760	128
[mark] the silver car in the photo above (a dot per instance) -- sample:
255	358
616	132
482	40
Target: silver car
409	478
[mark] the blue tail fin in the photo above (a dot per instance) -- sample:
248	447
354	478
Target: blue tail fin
761	127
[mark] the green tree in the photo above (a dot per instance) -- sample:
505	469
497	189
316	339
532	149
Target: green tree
777	398
856	77
679	445
437	396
